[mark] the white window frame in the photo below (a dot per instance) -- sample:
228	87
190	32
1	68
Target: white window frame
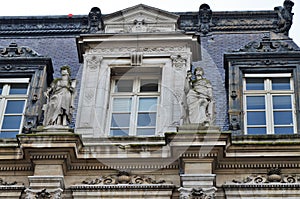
135	96
268	93
5	96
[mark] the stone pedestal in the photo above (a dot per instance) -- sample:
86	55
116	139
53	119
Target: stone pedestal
45	186
198	180
193	128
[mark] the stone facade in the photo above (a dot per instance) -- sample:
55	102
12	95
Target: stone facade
203	55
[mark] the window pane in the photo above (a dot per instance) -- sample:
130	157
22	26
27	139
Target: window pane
15	106
11	122
283	118
147	104
120	120
256	118
123	85
255	102
284	130
146	119
1	88
145	132
282	102
122	105
256	131
8	134
149	85
18	89
254	84
281	84
119	132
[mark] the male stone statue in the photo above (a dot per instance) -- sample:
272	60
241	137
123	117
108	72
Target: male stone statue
60	98
199	99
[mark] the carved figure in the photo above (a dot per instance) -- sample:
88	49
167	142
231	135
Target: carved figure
205	14
95	20
285	17
200	99
60	98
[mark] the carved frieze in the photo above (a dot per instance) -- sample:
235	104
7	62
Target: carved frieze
122	178
13	50
43	194
266	45
197	193
5	183
273	175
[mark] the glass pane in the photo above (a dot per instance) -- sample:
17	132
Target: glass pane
145	132
146	119
18	89
120	120
284	130
255	102
15	106
123	85
8	134
11	122
122	105
254	84
256	118
256	131
282	102
119	132
149	85
281	84
283	118
147	104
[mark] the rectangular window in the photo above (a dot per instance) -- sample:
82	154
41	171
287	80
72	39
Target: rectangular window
134	106
269	104
13	96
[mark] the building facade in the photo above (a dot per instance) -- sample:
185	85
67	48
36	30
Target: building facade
144	103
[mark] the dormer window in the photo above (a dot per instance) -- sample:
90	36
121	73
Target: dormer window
269	104
13	98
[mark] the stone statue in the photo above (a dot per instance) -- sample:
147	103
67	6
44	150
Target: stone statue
285	17
60	99
199	99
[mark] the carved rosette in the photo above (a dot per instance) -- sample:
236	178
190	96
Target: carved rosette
179	61
93	62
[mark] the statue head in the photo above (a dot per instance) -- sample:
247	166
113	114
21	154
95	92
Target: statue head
288	5
65	70
198	72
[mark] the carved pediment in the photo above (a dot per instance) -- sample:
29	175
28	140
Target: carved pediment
13	50
140	18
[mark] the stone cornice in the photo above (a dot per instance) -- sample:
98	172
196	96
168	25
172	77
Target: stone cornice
121	186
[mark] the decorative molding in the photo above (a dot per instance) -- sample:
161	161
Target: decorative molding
266	45
123	50
5	183
179	61
93	61
49	156
14	51
43	194
121	167
136	58
122	177
197	193
257	165
16	168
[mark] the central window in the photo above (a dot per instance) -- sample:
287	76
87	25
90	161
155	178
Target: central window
134	105
269	104
13	97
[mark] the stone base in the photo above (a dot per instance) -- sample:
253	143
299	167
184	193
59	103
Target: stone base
193	128
53	129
